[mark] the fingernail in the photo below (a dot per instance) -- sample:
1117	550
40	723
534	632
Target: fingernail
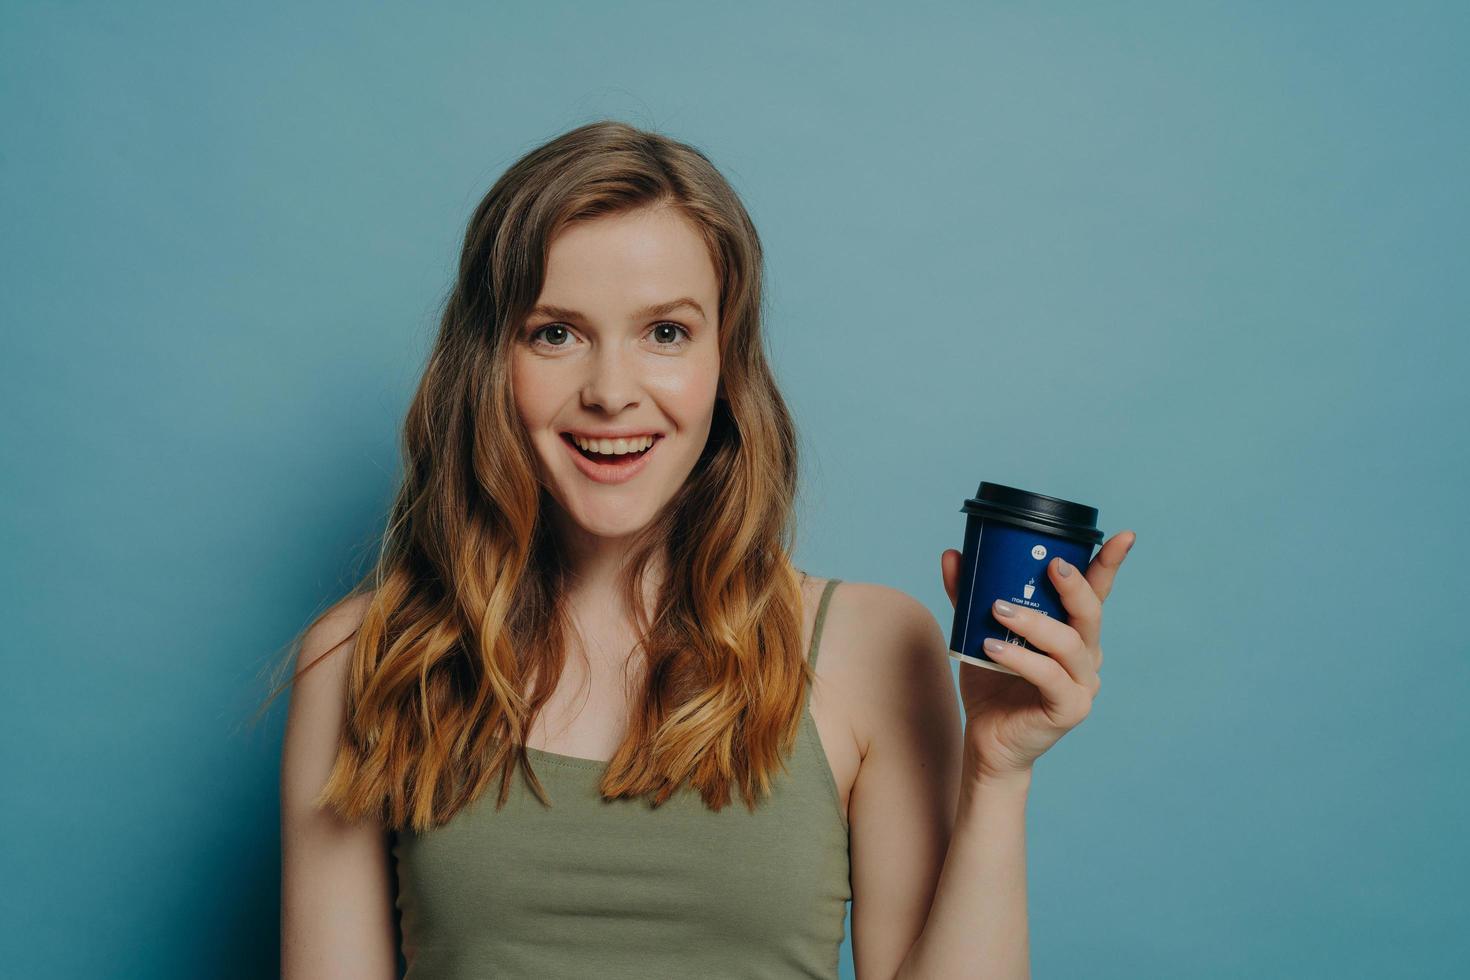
992	645
1064	568
1004	608
1131	544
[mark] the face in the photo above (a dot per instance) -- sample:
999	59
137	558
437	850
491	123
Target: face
621	347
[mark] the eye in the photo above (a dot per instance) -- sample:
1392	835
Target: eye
676	342
668	336
557	329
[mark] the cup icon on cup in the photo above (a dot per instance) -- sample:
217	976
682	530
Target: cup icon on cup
1010	535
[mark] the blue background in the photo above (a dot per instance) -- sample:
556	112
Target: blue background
1200	265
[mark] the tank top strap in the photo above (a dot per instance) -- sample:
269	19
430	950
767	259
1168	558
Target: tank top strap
821	620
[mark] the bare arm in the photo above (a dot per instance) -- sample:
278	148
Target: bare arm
336	895
977	926
901	812
937	868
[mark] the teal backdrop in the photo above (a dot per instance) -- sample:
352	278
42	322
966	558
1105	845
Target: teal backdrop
1201	265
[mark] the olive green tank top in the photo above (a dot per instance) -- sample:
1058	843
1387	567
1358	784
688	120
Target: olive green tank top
616	889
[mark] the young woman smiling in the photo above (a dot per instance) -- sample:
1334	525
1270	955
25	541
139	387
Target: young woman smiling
572	723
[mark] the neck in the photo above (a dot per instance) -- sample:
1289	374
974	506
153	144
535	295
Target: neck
597	564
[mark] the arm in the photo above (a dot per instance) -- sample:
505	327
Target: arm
938	867
336	898
977	926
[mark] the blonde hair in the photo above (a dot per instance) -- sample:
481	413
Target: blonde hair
464	611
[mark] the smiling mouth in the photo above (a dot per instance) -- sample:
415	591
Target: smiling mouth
609	459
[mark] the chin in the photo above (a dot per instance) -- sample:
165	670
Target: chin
610	525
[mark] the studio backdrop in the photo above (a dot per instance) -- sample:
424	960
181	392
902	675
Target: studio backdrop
1199	265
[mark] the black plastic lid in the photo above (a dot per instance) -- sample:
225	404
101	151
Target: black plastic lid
1036	511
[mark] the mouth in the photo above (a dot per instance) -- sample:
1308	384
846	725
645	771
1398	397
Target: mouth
609	468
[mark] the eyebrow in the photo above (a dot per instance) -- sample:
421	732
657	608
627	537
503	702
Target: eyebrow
658	309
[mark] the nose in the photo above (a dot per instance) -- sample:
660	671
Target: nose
612	381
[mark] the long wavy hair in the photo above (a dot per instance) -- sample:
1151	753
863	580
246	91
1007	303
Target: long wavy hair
462	639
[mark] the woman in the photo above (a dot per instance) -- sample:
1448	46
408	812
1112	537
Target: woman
572	725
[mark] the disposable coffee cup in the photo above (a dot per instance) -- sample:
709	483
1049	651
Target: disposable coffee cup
1010	536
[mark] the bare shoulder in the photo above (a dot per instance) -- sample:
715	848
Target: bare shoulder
880	624
328	636
318	698
886	651
318	703
336	884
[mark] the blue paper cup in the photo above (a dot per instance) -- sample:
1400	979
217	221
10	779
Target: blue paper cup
1010	536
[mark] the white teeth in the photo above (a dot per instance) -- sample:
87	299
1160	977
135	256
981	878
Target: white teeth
614	447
